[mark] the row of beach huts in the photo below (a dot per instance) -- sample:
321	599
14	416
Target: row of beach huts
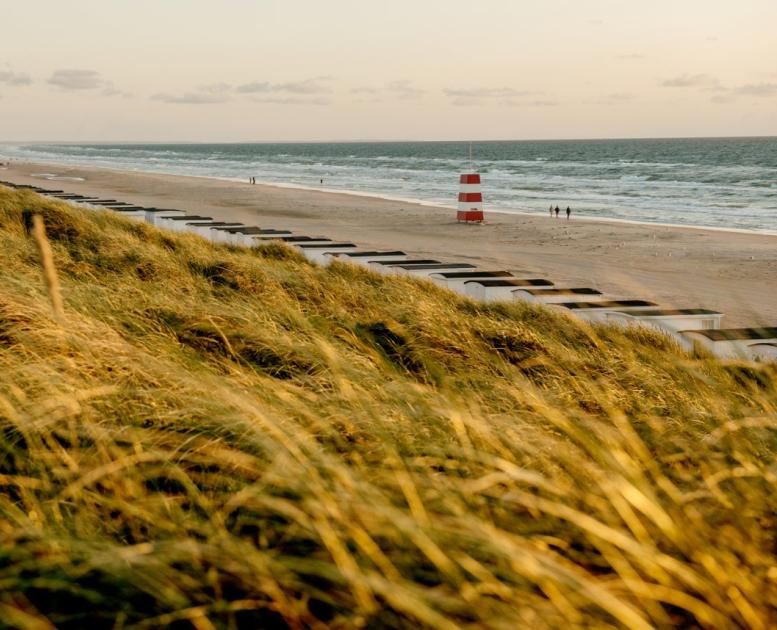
689	327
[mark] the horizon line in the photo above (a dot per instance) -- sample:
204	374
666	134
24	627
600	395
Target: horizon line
397	141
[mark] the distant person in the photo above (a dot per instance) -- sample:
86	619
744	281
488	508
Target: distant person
557	211
551	211
322	182
569	211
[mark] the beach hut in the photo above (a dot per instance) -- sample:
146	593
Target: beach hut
225	233
501	289
108	206
470	199
385	266
136	213
249	237
202	227
425	270
72	198
731	343
246	235
764	351
290	239
673	320
598	311
669	321
63	196
153	215
294	238
454	280
219	233
365	258
178	223
555	296
314	251
195	226
208	230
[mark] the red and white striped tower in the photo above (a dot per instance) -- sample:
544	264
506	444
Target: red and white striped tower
470	199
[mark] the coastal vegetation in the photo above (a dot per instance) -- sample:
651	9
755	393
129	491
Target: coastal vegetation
194	435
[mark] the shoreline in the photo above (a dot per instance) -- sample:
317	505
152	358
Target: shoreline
682	267
386	197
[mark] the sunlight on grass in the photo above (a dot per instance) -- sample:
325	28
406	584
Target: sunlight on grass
213	437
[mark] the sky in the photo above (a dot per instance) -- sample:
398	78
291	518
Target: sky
307	70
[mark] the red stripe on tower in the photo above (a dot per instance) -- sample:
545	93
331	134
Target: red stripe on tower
472	178
471	197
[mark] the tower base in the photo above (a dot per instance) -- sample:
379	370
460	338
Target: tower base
470	216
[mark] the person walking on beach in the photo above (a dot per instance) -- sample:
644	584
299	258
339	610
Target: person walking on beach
557	211
551	211
569	211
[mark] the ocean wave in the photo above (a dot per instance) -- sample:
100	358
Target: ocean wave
687	182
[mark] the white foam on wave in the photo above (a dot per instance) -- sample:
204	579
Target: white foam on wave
615	190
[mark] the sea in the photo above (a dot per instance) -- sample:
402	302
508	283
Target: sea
724	183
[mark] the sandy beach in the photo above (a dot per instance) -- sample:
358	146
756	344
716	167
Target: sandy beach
733	272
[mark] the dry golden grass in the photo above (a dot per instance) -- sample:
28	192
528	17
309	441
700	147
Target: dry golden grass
215	438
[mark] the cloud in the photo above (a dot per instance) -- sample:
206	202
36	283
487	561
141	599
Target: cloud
303	92
501	96
215	88
726	95
254	88
404	90
76	80
757	89
467	102
190	98
722	93
614	98
109	90
315	85
14	79
309	86
691	80
485	93
209	94
401	89
84	80
291	100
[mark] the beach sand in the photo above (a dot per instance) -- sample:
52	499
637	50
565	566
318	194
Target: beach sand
732	272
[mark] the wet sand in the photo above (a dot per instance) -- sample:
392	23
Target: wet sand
732	272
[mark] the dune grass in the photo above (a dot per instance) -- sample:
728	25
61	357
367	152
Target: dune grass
212	437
